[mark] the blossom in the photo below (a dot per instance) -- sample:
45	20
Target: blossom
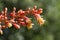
16	19
29	23
40	20
21	13
40	10
36	13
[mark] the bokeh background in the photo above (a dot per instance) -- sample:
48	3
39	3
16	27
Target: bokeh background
49	31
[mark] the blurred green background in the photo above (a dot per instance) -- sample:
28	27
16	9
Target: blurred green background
49	31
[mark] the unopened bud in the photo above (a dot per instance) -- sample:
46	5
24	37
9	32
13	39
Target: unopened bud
35	7
16	26
14	9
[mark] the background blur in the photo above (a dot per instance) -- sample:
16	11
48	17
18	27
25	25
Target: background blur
49	31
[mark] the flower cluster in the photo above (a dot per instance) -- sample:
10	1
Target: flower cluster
19	18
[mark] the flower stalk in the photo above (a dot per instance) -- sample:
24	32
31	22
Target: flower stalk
19	18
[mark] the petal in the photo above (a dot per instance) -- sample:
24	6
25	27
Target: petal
28	23
8	24
40	20
16	26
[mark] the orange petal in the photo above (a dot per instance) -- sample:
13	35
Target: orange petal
28	23
40	20
16	26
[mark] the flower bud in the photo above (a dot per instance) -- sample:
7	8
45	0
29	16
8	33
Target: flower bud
5	10
40	11
35	7
14	8
16	26
23	23
12	15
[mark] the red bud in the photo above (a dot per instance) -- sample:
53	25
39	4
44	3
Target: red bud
16	26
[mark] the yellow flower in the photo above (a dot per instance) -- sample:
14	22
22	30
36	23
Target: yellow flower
1	32
29	23
40	20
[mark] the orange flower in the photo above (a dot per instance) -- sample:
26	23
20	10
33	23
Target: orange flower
20	18
21	13
40	20
40	11
29	23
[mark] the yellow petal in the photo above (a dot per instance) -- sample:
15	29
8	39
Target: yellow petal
29	24
9	25
1	32
40	20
